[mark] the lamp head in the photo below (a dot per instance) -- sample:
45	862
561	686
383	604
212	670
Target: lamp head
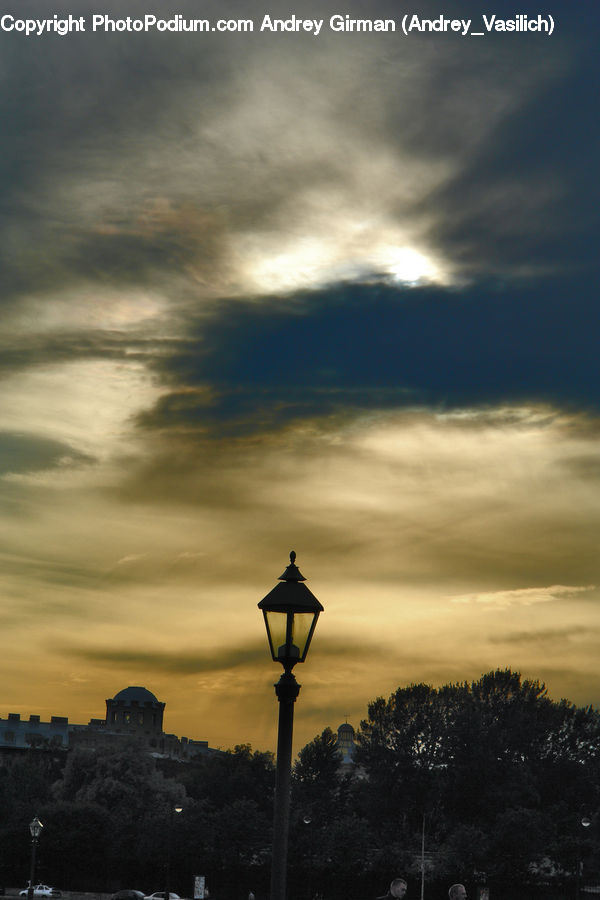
35	827
290	611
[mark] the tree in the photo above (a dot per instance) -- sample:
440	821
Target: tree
316	775
224	777
228	819
125	783
76	845
487	761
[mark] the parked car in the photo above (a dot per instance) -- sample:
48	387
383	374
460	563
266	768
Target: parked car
128	895
41	890
160	895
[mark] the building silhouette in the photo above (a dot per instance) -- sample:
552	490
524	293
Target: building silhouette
133	714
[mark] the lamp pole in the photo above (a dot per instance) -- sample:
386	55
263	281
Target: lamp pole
423	858
286	689
35	829
290	611
307	819
173	810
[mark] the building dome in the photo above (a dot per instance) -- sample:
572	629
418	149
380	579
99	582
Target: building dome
134	710
345	743
135	694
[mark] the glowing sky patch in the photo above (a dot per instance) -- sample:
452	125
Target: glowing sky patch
88	403
524	596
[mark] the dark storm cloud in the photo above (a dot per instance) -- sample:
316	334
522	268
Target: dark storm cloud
584	466
358	348
528	199
544	635
26	453
21	353
78	108
43	571
190	662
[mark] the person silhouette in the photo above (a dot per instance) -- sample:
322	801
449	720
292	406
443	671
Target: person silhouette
457	892
397	890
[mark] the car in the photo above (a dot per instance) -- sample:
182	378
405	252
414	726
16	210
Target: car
41	890
128	895
160	895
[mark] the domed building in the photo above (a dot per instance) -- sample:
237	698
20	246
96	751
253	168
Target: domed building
135	714
134	710
345	745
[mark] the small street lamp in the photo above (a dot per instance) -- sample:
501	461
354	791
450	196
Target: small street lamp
172	811
309	854
290	611
35	828
585	822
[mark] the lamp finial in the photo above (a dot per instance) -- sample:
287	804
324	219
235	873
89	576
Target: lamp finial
292	573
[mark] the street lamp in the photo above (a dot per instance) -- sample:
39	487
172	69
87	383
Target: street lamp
35	828
290	611
585	822
309	855
173	810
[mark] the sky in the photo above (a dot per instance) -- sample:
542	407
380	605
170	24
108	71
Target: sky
265	291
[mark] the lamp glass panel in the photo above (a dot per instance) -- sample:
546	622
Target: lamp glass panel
276	627
301	631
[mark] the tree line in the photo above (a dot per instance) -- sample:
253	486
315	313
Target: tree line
491	779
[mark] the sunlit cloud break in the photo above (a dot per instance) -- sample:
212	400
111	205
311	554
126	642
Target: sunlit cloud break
523	596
